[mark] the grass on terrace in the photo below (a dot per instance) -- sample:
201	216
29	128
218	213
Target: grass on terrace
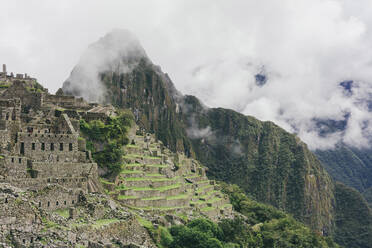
104	222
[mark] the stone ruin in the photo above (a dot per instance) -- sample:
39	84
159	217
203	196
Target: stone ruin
43	155
5	77
154	179
40	144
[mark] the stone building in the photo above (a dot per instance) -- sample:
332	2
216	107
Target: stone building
40	146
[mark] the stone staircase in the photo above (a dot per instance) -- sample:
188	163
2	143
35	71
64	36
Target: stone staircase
155	179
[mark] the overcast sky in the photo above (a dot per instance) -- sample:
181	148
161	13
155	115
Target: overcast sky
213	49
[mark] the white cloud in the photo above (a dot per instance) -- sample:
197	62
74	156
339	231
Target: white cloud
213	49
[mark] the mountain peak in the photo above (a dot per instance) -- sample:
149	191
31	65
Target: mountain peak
118	51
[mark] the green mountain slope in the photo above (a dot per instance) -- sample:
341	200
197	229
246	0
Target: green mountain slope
350	166
270	164
353	218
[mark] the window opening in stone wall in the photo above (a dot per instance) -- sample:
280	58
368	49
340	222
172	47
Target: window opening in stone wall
73	202
7	116
52	146
65	202
20	160
61	146
57	203
33	146
12	160
70	147
43	146
22	151
48	204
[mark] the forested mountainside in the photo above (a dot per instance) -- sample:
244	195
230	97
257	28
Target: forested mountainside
351	166
270	164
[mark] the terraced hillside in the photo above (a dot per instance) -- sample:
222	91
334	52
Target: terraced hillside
155	179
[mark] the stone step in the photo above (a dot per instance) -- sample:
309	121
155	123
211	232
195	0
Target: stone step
139	173
198	204
203	183
133	149
210	194
149	182
147	168
157	202
203	190
153	192
195	178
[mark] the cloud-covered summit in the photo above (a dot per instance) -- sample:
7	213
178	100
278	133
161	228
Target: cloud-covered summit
277	60
118	51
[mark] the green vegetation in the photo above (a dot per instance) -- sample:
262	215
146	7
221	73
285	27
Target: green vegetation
268	163
64	212
353	218
263	227
348	165
112	135
104	222
103	181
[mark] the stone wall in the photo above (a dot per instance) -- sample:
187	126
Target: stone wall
66	101
49	147
61	170
55	197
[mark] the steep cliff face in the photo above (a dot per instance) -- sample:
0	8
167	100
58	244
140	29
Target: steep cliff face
349	165
353	218
270	164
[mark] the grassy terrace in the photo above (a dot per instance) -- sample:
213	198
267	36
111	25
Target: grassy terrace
63	212
199	202
202	189
132	146
213	200
153	198
147	165
191	175
130	172
104	222
126	197
133	179
154	175
225	205
177	197
132	156
161	189
159	208
211	192
207	209
103	181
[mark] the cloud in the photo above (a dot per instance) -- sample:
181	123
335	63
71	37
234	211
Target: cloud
214	49
118	51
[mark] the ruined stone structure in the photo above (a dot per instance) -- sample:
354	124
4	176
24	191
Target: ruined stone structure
48	178
154	179
5	77
40	145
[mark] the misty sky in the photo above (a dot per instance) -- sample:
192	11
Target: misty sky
213	49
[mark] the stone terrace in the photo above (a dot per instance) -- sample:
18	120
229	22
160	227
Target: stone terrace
155	179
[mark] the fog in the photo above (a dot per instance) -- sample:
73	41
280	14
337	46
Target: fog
276	60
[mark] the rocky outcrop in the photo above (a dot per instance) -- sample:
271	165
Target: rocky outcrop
95	222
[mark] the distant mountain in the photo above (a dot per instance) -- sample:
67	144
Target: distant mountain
269	163
346	163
